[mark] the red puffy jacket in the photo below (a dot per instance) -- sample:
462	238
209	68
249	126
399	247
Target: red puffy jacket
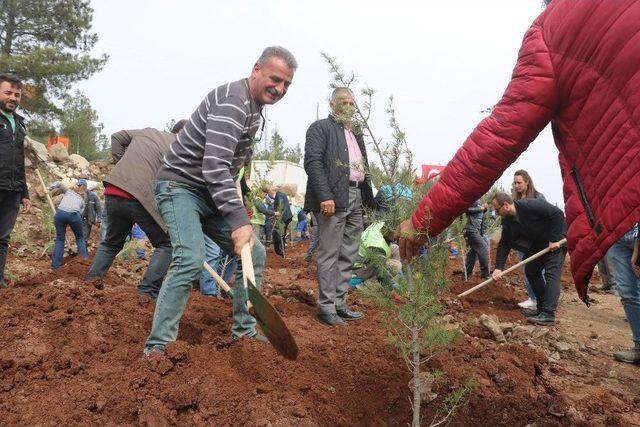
578	68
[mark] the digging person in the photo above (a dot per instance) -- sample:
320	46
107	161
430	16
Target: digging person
530	225
128	191
335	160
13	182
196	193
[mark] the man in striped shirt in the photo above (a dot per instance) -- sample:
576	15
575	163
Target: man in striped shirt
196	190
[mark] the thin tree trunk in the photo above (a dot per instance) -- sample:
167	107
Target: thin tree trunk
417	398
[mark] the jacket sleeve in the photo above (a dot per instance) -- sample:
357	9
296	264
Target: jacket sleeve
526	107
504	247
314	151
119	143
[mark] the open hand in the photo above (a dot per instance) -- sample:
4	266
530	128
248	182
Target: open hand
409	240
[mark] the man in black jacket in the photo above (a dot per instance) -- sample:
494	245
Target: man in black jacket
13	182
474	233
530	225
335	160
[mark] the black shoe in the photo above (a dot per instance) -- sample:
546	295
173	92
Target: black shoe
543	319
347	314
530	312
330	319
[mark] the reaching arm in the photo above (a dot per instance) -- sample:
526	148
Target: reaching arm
528	104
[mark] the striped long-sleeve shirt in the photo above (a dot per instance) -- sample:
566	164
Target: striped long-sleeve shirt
214	145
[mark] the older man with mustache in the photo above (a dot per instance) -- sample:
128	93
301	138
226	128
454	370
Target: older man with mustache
197	196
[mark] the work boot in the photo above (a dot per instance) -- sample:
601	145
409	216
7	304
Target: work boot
346	314
330	319
543	319
630	356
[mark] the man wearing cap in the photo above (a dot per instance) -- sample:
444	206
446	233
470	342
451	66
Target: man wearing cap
13	183
335	160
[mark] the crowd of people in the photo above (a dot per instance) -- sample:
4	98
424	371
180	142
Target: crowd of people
184	188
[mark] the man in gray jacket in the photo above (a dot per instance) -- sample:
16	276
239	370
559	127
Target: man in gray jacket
129	199
474	233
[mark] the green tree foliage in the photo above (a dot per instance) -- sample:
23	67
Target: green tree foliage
410	309
275	149
47	44
79	122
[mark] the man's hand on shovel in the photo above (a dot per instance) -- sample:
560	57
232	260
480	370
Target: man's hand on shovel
242	236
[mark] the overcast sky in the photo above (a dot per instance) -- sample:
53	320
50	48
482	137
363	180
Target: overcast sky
443	62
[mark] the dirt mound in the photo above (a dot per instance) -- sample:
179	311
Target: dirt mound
72	355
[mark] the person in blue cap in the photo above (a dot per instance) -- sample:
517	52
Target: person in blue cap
68	214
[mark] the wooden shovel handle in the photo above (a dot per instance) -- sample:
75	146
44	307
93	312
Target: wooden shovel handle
510	269
219	280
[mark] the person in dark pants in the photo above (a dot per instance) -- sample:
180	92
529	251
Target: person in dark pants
474	233
129	200
531	225
13	183
335	160
68	214
91	214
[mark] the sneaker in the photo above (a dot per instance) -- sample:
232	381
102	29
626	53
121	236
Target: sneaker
157	350
543	319
260	338
530	312
529	303
630	356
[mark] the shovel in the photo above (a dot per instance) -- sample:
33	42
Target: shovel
268	318
266	315
510	269
226	288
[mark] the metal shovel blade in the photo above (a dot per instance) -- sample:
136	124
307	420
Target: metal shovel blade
271	323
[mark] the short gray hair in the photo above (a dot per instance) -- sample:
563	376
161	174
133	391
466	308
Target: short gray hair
281	53
337	91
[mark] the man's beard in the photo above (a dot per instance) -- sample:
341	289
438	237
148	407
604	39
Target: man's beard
3	107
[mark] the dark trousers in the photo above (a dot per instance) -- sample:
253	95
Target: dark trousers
122	214
9	208
479	250
546	284
86	229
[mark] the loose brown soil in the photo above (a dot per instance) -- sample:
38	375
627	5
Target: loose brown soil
72	355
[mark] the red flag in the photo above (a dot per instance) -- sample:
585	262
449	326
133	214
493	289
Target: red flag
429	172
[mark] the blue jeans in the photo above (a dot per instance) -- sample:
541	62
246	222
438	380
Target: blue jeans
215	258
626	280
61	219
190	214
